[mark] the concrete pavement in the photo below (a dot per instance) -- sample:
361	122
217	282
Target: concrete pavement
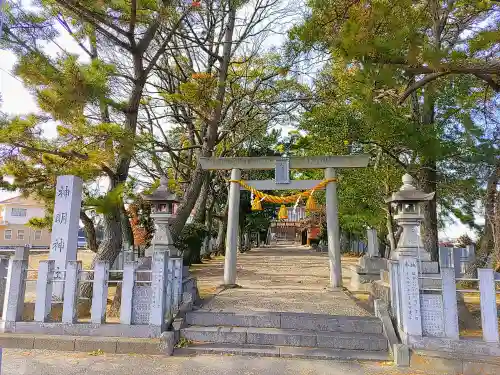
42	362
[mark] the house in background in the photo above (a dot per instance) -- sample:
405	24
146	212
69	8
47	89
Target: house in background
15	214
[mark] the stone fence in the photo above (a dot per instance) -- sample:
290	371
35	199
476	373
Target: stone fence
457	258
426	312
148	301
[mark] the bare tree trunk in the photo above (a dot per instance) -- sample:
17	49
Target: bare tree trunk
427	177
127	233
89	228
210	139
201	203
209	223
220	244
429	224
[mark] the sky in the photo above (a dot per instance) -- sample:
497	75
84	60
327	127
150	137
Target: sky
17	100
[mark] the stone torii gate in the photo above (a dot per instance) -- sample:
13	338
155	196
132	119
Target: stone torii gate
282	166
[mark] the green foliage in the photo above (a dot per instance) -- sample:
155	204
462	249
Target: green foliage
41	223
108	202
190	242
376	54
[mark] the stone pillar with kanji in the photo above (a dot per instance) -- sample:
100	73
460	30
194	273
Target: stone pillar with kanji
64	240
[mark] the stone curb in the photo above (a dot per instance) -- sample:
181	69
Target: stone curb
283	352
286	320
119	345
454	364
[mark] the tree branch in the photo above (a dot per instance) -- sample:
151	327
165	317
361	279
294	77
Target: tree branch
418	84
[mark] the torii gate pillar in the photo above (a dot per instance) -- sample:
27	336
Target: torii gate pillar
328	163
232	230
333	230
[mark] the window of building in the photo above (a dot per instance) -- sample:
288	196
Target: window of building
7	235
38	235
20	212
20	234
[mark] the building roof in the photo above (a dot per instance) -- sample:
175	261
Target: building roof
20	200
162	193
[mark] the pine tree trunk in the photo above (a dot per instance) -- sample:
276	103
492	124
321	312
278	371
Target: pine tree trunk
127	233
109	248
89	228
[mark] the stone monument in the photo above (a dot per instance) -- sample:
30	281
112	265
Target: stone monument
64	240
369	265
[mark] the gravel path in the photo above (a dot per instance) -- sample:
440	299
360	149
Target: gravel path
280	278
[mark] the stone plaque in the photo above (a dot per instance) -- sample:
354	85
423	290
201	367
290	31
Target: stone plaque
432	315
141	304
410	302
282	171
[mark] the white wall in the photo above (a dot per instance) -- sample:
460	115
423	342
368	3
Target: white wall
32	212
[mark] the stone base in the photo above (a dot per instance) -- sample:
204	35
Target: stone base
82	329
362	282
361	278
371	264
380	290
119	345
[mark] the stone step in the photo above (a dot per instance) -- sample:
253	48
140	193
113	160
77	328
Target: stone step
284	352
300	321
285	337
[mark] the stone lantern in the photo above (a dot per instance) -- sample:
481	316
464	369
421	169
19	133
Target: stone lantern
409	216
163	202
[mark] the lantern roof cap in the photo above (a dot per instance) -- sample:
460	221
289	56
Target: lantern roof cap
409	193
162	193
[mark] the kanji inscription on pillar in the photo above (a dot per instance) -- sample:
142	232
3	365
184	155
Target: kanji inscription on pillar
410	300
68	199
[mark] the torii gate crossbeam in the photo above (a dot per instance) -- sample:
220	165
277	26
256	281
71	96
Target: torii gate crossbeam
328	163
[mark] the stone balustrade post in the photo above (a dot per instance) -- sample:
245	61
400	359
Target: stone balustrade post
128	283
15	288
44	285
489	317
471	253
170	289
371	235
70	302
457	261
158	289
450	309
100	292
177	289
395	290
446	257
4	268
